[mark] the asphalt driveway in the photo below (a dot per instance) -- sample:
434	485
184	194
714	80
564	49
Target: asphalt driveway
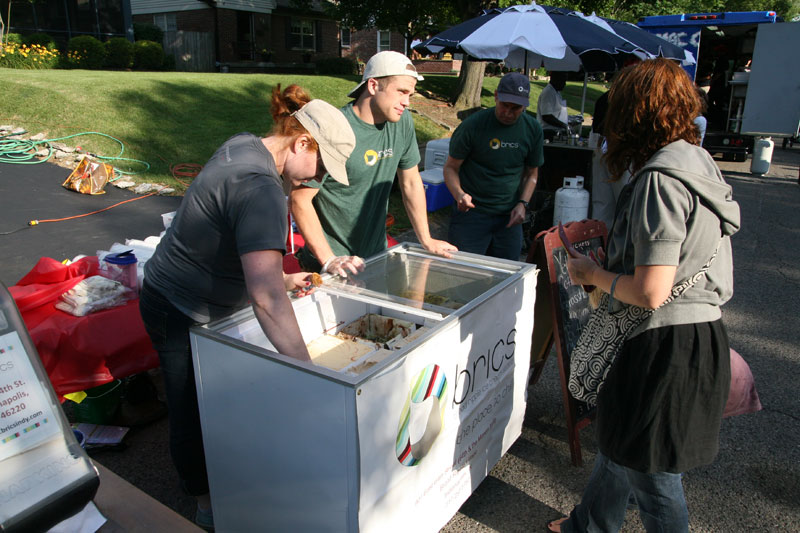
753	484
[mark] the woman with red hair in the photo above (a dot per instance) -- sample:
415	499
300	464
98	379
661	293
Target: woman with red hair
660	407
224	251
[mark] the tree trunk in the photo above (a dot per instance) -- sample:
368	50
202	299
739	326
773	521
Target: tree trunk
470	83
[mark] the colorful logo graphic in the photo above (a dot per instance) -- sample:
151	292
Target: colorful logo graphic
370	157
429	383
495	144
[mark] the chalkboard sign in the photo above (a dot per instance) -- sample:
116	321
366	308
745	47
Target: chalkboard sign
571	310
573	300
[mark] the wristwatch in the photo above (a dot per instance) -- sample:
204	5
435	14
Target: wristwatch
524	203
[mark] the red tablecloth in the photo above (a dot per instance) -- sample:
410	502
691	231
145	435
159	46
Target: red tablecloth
80	352
83	352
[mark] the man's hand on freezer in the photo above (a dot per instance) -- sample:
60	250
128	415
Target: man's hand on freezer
341	264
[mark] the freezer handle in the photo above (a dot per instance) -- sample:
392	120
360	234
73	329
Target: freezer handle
475	264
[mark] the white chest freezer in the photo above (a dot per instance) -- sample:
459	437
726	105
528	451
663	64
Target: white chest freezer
417	389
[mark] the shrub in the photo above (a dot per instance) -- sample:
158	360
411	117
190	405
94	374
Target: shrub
169	62
13	38
42	39
147	55
84	51
492	69
144	31
119	53
13	55
336	65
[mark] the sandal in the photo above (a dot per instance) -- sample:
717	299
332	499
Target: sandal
555	525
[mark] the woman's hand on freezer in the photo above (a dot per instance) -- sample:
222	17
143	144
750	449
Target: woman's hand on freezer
299	282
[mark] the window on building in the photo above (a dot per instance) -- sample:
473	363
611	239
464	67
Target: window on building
345	37
303	34
84	17
384	41
165	21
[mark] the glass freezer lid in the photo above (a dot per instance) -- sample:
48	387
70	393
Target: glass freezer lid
416	277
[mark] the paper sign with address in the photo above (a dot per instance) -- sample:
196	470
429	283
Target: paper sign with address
26	417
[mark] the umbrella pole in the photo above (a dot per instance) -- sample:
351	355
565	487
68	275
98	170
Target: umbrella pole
526	62
583	98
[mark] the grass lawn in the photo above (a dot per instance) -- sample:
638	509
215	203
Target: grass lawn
168	118
446	85
163	118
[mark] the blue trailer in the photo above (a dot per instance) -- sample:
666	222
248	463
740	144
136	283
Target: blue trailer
722	44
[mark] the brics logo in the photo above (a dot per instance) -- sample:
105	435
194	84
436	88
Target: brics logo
371	156
496	143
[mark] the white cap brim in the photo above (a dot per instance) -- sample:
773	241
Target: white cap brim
384	64
333	165
336	140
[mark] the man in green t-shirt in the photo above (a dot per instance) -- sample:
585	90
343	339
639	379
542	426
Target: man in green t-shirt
343	224
491	171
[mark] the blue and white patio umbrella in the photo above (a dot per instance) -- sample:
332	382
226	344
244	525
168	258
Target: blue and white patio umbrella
529	36
532	36
647	45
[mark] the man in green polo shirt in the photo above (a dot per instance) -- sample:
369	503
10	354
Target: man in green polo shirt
341	225
491	171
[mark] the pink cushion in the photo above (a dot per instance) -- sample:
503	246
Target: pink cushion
743	397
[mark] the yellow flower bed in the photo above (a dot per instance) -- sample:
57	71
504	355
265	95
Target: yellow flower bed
13	55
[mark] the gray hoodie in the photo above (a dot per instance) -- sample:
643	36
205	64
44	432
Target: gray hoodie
674	212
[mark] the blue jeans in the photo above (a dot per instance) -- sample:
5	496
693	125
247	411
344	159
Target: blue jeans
481	233
662	506
168	329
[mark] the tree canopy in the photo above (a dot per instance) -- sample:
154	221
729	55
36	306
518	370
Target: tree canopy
631	10
420	18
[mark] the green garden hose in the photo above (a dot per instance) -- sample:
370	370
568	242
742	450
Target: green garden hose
23	151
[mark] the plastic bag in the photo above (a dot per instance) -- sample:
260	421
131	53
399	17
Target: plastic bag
93	294
89	177
80	352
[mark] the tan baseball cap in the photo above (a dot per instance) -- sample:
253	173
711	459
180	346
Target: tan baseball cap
329	127
385	64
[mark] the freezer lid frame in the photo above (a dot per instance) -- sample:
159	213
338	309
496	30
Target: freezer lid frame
512	270
416	265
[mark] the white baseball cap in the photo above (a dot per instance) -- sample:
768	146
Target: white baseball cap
329	127
385	64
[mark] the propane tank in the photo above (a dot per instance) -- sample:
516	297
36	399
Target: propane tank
762	155
572	201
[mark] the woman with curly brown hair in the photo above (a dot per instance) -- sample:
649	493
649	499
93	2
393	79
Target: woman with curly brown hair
660	407
224	251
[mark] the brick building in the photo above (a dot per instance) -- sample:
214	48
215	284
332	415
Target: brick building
363	44
259	33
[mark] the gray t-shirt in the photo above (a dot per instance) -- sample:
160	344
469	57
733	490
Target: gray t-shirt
234	206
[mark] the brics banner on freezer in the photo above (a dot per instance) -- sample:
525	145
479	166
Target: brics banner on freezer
455	406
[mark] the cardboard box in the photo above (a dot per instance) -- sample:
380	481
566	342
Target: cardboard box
436	193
